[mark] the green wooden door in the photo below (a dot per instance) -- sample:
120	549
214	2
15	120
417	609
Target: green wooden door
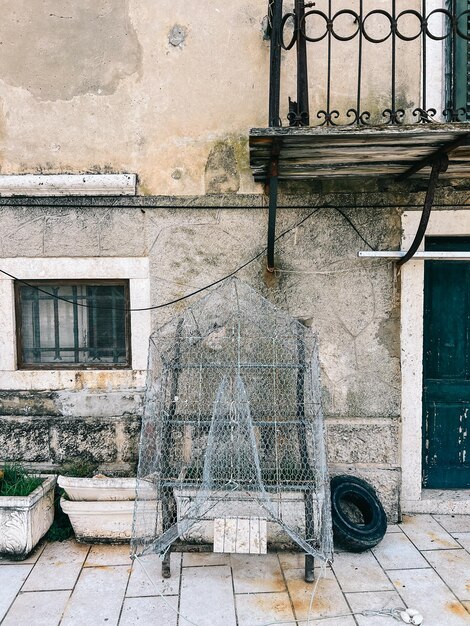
446	384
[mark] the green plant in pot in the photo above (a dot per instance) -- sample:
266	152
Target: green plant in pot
26	509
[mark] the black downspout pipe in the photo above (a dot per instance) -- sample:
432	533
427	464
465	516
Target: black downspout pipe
273	187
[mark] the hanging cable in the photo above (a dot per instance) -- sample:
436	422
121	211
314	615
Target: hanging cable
197	291
166	304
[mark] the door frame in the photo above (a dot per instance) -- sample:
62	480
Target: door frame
415	499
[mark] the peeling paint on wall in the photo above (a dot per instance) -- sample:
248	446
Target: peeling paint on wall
177	35
59	49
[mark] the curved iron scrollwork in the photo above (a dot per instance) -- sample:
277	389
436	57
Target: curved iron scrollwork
453	25
425	117
377	26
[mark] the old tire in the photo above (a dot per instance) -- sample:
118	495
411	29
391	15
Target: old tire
359	520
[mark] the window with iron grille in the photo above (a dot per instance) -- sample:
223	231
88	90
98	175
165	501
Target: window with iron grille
73	324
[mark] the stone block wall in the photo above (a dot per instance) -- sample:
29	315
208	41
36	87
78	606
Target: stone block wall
35	430
351	304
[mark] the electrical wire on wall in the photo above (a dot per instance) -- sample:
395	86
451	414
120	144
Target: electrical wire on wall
201	289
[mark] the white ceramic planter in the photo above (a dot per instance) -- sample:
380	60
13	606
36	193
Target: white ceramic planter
98	488
25	519
108	521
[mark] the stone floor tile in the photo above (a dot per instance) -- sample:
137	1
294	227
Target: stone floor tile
423	589
150	612
294	560
97	597
32	558
207	596
360	572
393	528
139	583
37	608
374	601
12	578
198	559
255	609
328	600
58	566
453	566
426	533
454	523
464	540
396	551
467	606
108	555
253	573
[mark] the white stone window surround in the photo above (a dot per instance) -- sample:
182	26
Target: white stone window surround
135	269
415	499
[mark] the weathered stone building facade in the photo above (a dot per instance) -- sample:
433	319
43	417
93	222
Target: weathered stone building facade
169	92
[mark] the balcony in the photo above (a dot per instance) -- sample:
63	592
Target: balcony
381	89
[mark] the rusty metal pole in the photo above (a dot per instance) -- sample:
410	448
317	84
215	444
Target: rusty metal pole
303	111
275	16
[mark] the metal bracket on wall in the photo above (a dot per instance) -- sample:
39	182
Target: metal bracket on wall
440	164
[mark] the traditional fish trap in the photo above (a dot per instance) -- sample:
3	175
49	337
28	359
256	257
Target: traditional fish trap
232	436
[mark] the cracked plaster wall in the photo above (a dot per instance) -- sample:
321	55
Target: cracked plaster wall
131	86
165	89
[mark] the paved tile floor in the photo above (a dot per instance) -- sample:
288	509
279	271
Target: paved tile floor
422	563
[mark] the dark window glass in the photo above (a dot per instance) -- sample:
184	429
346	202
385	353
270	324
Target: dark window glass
56	331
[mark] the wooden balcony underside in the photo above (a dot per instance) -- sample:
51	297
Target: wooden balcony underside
381	151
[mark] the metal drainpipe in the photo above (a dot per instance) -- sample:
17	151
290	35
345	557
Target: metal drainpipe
273	188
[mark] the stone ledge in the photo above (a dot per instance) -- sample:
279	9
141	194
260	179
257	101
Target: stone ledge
363	441
386	481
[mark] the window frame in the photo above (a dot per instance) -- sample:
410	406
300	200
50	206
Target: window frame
51	365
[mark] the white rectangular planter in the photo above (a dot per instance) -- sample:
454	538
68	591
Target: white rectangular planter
98	488
107	521
25	519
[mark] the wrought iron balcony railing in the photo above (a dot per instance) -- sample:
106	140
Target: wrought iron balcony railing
369	62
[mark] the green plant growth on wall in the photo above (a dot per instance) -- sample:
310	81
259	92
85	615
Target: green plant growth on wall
78	468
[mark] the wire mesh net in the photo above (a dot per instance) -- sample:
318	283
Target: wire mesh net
232	427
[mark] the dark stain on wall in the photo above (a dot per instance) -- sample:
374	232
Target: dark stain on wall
222	175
